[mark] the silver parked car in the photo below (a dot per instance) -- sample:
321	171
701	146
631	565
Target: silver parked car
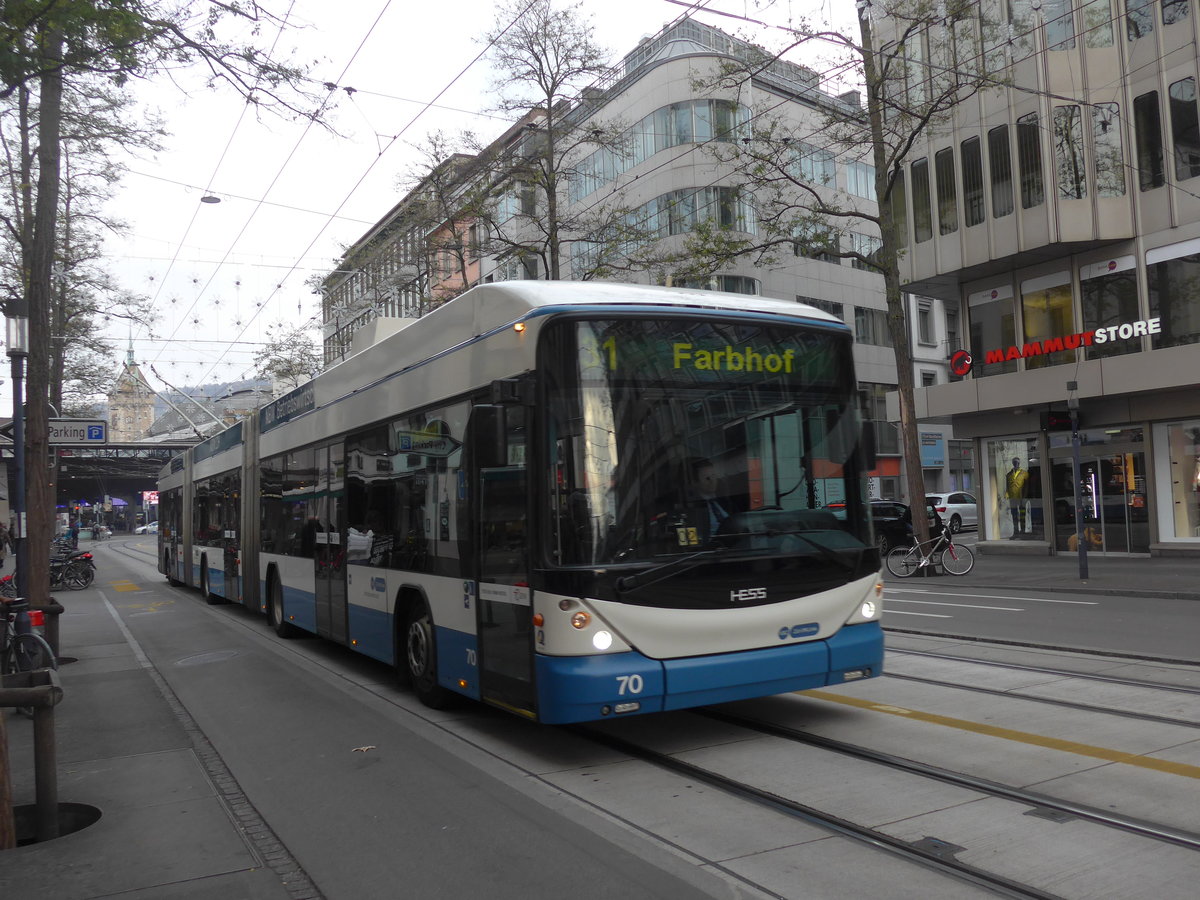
958	509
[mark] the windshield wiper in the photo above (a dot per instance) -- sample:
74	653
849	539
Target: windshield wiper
655	574
828	552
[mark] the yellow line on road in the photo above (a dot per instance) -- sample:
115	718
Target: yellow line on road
124	586
1009	734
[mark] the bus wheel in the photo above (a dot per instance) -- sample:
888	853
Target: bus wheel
209	597
275	614
420	658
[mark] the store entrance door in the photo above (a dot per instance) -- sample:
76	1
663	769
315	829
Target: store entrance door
1113	496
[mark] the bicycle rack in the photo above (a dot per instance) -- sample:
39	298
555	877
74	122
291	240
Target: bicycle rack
41	690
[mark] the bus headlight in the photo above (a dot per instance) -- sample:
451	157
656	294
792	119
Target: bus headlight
602	640
580	620
868	609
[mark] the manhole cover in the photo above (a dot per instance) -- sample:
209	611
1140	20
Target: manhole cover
203	659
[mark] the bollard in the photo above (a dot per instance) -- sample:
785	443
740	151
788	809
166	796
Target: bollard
41	690
52	610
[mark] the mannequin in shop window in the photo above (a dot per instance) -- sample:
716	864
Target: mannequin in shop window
1014	491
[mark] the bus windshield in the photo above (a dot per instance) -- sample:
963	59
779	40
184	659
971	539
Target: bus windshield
678	435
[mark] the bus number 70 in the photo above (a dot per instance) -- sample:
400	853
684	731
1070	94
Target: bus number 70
629	684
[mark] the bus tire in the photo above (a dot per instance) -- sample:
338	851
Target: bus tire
209	597
419	658
275	613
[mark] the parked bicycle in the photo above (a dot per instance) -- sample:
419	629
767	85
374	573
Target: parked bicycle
76	570
21	648
956	559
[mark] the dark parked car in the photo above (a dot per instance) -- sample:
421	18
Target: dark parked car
893	522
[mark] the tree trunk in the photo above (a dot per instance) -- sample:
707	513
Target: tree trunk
910	444
40	500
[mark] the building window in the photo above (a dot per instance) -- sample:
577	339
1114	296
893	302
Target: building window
992	320
947	191
864	245
1097	23
1106	141
818	242
972	180
1109	296
1175	11
1173	298
1147	128
813	165
730	284
834	309
1046	315
860	180
887	437
1181	441
1185	129
928	379
899	207
1000	169
1139	18
922	211
1029	155
925	323
1068	153
870	327
1060	24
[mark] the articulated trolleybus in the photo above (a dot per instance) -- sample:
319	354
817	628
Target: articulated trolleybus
569	500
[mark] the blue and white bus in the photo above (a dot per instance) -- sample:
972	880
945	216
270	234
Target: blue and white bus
569	500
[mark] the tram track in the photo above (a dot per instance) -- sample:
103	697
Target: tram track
1063	673
929	852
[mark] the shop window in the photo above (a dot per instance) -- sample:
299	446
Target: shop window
1013	503
922	211
992	320
1046	316
1109	297
947	192
1185	129
1174	299
1182	442
1147	131
1029	156
972	181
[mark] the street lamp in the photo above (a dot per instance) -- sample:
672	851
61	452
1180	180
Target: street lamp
17	341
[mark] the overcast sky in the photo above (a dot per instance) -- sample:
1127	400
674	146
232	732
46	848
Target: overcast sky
293	196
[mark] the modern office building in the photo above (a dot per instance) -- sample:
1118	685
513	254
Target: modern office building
1059	214
675	170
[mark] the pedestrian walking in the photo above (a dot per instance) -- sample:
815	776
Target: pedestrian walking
6	543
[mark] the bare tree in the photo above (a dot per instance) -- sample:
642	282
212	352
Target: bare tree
909	93
288	359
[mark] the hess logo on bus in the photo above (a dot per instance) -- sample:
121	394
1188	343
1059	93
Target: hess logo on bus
746	594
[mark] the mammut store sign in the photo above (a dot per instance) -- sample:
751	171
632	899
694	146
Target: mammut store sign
1106	335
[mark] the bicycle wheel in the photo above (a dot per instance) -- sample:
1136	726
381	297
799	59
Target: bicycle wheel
904	561
957	559
30	651
79	576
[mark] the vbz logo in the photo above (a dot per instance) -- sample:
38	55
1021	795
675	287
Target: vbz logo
746	594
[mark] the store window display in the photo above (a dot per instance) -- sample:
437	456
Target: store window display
1183	448
1014	470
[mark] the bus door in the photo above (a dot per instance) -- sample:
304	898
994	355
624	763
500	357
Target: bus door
329	559
504	607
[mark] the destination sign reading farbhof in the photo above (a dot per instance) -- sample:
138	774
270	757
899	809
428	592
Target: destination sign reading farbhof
78	431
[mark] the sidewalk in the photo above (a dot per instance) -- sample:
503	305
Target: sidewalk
1165	577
